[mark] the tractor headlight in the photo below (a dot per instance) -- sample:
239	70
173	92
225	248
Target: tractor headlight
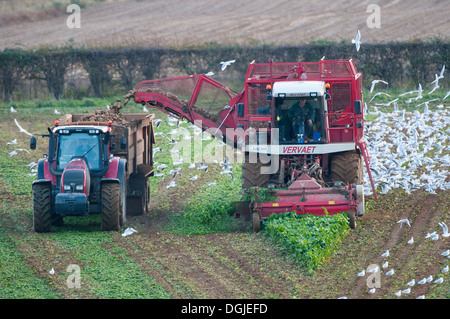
79	187
67	187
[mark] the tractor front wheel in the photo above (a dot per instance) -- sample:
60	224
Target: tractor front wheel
42	214
111	208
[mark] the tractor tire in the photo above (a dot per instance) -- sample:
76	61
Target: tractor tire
42	213
347	167
251	175
111	210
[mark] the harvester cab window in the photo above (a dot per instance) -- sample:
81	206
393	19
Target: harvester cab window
299	119
79	145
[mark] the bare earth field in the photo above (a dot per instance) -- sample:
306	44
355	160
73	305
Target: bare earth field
182	23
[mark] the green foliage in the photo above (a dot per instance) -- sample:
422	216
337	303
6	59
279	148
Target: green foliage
210	209
308	239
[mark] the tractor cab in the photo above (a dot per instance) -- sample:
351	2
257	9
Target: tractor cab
80	143
299	111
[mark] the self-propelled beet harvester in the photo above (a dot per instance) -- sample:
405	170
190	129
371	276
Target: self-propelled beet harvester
301	125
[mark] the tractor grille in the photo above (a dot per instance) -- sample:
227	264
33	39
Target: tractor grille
73	180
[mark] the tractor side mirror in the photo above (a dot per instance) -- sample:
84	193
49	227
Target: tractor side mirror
33	143
123	143
357	107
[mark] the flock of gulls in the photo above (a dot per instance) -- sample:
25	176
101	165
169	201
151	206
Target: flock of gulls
186	134
408	149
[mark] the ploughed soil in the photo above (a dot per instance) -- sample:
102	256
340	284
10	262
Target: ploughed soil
178	23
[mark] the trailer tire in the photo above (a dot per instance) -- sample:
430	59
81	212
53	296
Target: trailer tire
251	174
347	167
42	213
111	210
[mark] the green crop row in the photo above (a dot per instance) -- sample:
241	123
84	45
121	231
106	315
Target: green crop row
308	239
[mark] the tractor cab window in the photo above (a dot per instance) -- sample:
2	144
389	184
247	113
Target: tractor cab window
299	119
79	145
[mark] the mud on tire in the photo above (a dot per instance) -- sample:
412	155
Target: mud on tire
111	210
347	167
42	214
251	174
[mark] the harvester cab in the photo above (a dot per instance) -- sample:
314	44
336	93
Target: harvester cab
299	111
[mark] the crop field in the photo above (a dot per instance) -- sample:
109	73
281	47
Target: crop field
190	246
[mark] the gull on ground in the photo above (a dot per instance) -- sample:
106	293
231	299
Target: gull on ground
411	283
404	221
390	272
446	253
422	281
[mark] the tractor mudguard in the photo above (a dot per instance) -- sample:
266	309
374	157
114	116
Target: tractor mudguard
43	181
116	172
44	171
116	165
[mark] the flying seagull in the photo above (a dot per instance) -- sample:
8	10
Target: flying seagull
441	75
357	41
21	129
226	63
375	82
444	229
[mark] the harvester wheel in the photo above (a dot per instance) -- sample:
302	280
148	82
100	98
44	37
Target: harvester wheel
347	167
42	214
111	210
251	174
352	218
256	219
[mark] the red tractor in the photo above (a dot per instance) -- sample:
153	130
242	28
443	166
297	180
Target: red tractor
301	126
93	168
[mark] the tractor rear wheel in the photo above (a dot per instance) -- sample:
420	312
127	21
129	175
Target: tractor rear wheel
347	167
42	213
111	209
251	174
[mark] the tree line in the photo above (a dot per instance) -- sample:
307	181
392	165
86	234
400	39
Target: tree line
400	64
